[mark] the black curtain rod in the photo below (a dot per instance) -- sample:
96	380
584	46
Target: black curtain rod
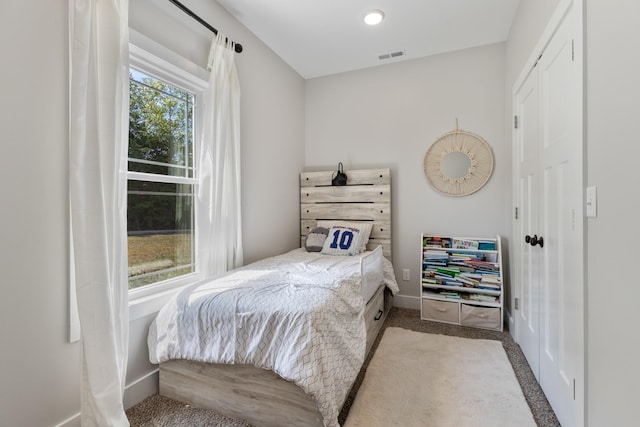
185	9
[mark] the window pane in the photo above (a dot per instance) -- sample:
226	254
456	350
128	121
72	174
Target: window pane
160	231
160	127
160	214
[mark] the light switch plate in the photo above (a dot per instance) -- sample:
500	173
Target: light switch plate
406	274
592	202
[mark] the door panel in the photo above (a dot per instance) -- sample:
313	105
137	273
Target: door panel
561	204
549	174
527	106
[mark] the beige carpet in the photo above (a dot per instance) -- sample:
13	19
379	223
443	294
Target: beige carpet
159	411
418	379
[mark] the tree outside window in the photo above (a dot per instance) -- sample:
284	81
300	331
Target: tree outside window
161	181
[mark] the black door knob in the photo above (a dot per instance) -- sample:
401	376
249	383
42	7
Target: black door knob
535	240
527	238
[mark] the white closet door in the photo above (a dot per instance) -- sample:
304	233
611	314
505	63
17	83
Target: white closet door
527	137
561	222
548	164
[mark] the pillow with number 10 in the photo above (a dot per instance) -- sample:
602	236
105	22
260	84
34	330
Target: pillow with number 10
342	240
364	227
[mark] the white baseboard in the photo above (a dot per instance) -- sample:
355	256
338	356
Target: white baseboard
512	325
73	421
141	388
405	301
134	393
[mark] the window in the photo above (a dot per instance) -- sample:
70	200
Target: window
160	187
161	181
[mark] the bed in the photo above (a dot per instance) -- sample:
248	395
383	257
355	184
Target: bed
290	364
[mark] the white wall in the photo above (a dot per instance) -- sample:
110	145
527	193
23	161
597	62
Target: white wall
39	381
37	365
389	116
530	20
613	150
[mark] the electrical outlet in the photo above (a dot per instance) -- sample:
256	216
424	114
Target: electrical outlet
406	274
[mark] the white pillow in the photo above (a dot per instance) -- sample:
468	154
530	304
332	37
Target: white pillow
343	240
363	227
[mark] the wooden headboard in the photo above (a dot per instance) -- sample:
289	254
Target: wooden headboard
365	198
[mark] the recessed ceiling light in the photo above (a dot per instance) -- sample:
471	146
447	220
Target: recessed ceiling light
374	17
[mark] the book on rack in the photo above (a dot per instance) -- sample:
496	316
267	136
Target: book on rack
441	276
463	268
464	244
450	271
452	295
485	265
486	245
433	277
435	258
435	254
488	273
467	280
490	282
436	241
481	297
432	264
465	257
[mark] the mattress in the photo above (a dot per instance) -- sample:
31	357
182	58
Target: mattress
299	314
376	269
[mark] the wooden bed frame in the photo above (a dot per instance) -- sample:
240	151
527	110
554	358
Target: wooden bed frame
260	396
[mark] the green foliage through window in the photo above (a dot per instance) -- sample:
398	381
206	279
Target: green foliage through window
159	207
160	127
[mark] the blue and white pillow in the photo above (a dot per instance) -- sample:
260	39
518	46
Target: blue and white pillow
343	240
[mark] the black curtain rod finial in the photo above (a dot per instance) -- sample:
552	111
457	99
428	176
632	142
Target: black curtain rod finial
185	9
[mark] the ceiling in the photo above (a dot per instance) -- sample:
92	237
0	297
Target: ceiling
322	37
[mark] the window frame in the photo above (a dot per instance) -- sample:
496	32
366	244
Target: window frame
149	299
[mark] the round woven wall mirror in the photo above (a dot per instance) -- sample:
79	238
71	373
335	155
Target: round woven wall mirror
458	163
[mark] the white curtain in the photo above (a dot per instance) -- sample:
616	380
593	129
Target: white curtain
219	217
98	131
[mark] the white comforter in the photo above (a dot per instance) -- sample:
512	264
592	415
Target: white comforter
299	314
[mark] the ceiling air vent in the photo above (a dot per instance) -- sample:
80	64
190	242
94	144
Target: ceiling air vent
391	55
